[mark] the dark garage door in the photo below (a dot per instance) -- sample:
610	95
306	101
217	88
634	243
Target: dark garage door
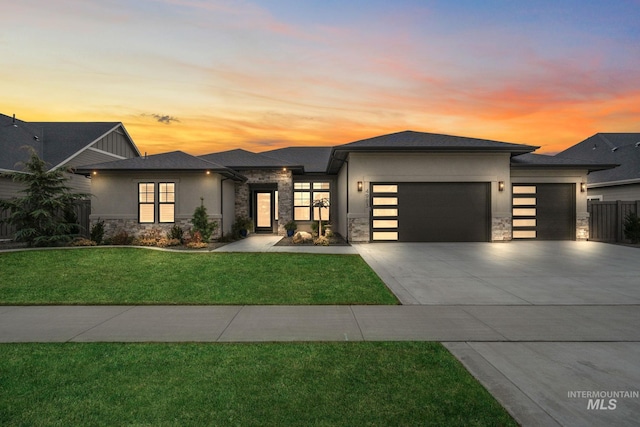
544	211
443	212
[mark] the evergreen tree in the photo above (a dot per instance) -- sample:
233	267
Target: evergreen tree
200	221
44	215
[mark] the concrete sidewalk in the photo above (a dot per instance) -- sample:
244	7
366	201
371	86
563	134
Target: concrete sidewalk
319	323
267	243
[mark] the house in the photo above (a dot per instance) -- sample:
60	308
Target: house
623	149
406	186
60	145
158	191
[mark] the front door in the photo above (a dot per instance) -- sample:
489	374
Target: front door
264	211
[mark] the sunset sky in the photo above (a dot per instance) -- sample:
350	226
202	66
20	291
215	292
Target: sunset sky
208	75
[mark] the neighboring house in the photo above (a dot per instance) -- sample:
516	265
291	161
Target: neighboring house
623	149
406	186
60	145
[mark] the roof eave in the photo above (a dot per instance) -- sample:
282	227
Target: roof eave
589	168
614	183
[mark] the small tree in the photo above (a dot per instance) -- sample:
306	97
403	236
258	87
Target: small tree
44	215
632	227
201	222
320	204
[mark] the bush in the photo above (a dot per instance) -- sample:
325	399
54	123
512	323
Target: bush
81	241
242	223
632	227
201	223
196	241
97	232
121	238
321	241
176	233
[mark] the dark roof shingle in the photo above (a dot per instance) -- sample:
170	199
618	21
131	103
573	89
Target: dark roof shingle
173	161
243	159
614	148
314	159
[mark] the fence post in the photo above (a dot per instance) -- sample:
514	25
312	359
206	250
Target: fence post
619	222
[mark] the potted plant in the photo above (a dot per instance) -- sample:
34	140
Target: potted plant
291	228
242	226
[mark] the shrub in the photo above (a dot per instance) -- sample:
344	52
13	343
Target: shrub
121	238
201	223
196	241
81	241
97	232
632	227
241	223
321	241
176	233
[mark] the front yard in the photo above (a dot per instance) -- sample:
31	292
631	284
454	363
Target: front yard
142	276
296	384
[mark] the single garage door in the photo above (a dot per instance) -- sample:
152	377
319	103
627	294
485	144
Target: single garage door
544	211
431	212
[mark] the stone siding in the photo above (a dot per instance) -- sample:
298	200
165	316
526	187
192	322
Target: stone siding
284	182
582	227
135	229
359	230
501	229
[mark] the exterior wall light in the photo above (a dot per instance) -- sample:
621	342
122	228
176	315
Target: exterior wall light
359	185
208	172
500	185
583	187
284	169
95	172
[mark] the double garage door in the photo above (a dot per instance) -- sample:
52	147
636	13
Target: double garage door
461	211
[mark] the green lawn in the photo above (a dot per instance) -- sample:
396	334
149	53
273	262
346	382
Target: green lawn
143	276
296	384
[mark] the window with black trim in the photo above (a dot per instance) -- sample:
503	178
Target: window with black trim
146	202
166	201
304	195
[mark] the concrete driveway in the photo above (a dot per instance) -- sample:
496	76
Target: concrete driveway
541	380
516	273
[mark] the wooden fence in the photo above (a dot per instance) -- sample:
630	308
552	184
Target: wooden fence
606	219
82	210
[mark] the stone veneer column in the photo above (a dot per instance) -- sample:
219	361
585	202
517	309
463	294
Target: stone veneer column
501	228
582	227
283	180
359	230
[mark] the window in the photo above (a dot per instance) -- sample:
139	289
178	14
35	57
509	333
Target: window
166	202
146	202
304	194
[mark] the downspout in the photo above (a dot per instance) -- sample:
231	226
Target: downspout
222	206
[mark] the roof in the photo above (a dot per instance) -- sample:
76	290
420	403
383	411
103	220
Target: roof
411	141
55	142
314	159
243	159
173	161
15	135
530	160
614	148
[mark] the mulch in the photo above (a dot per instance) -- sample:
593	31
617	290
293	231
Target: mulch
335	240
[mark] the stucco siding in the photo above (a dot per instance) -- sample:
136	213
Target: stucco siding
550	176
426	167
341	224
115	196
